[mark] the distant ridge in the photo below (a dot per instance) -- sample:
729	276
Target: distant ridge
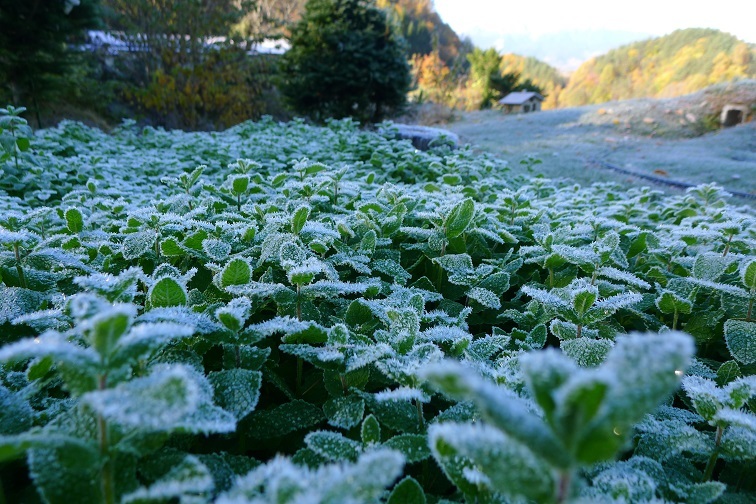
672	65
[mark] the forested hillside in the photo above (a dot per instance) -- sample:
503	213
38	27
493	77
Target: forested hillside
542	74
676	64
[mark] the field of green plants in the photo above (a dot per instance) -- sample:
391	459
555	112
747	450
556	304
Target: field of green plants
283	313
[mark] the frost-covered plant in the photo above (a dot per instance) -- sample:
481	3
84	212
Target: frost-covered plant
295	281
531	447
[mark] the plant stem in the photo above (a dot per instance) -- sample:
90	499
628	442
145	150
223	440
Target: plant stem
714	456
107	481
344	387
420	417
580	330
19	269
299	304
551	278
727	247
674	320
563	490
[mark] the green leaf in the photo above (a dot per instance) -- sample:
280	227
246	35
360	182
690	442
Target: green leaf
108	327
23	144
282	420
583	301
344	412
509	467
333	446
459	218
414	447
236	390
749	275
370	432
167	292
367	244
169	247
239	185
187	481
407	491
485	297
668	302
74	220
299	218
586	352
236	272
728	372
740	336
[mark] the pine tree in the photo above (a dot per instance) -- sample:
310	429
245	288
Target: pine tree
345	61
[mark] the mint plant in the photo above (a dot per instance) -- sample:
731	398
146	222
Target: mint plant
269	313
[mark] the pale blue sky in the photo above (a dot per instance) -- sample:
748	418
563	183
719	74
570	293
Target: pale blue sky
484	18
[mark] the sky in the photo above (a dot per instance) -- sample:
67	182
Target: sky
502	23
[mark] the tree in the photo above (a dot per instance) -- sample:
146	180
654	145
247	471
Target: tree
34	53
487	77
345	61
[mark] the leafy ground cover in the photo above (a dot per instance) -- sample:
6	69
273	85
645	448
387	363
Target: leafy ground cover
284	313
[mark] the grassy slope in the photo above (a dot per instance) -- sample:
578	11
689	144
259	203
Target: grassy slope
622	134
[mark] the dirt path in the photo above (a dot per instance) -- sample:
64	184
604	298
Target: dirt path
572	144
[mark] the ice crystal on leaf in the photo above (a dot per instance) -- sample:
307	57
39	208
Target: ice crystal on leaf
281	482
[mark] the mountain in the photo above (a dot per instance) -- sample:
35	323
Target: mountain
566	50
673	65
541	74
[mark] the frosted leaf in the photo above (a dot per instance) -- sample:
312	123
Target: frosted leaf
545	297
331	289
645	367
739	443
741	390
236	390
729	416
414	447
511	467
236	272
144	339
291	255
137	244
216	249
748	275
15	302
500	406
120	287
106	327
319	229
367	354
733	290
457	338
456	264
740	336
323	357
189	482
614	303
44	320
706	396
24	239
587	352
622	276
167	292
281	482
155	402
625	483
344	412
303	272
333	446
407	491
183	315
54	344
485	297
393	269
234	314
711	266
402	394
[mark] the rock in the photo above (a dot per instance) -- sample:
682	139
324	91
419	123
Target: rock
423	136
